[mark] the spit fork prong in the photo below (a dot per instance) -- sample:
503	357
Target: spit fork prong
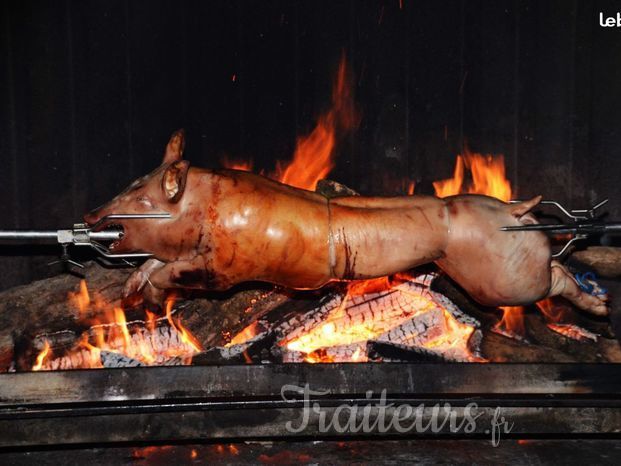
574	214
585	223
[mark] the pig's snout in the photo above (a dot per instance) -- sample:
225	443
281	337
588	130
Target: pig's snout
92	217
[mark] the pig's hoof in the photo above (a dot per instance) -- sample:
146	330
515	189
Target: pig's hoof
566	285
153	295
134	284
593	304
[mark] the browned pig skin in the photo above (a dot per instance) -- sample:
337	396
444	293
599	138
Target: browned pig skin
229	226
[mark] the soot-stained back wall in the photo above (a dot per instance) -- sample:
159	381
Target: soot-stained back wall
91	90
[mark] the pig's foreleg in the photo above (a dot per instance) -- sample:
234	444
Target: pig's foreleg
564	284
140	277
179	274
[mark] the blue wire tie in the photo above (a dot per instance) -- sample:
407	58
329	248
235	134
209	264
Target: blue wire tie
583	281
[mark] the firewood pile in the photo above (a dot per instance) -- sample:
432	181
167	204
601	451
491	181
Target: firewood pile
415	317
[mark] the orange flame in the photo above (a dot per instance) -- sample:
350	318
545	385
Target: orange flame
454	337
552	312
150	320
411	187
184	334
246	334
341	329
313	158
112	333
451	186
244	165
41	356
119	319
512	321
81	299
488	177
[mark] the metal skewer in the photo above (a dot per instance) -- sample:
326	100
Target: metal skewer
58	235
82	234
578	228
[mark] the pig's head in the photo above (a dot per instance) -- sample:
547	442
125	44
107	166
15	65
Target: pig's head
160	191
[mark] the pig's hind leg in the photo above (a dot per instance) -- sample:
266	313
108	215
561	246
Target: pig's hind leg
564	284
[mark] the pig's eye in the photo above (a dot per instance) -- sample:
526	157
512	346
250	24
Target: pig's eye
145	201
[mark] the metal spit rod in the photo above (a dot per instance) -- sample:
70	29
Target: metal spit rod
82	234
57	235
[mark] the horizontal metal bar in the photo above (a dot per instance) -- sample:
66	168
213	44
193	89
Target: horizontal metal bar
28	234
105	235
17	235
262	420
589	228
455	379
245	401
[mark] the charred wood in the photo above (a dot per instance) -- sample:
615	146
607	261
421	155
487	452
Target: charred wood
381	351
605	260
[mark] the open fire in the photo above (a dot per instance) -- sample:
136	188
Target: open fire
111	340
401	311
398	310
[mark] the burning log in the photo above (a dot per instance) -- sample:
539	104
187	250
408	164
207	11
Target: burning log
111	360
605	260
354	352
573	331
379	351
33	314
156	342
331	189
258	350
402	311
402	318
554	331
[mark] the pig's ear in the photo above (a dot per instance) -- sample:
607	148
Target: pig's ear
175	147
517	210
173	181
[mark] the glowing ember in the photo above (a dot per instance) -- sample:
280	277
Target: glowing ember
411	187
244	165
403	313
153	341
573	331
452	339
245	335
146	453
